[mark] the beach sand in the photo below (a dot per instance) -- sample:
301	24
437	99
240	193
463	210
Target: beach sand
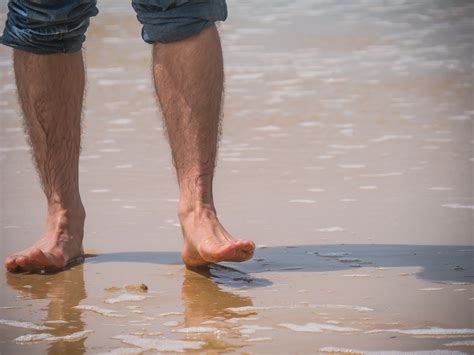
346	155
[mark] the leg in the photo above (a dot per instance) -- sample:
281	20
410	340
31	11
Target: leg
49	73
189	83
50	89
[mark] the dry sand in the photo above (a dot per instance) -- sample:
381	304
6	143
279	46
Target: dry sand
347	155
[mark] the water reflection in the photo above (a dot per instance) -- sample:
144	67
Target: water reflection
204	300
207	299
64	290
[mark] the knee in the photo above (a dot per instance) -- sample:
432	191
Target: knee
172	20
47	26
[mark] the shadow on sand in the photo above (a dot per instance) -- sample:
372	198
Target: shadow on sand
439	263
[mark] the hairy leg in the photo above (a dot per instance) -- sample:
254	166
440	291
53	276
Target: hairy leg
50	90
189	83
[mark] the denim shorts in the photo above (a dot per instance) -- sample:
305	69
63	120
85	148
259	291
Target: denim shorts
59	26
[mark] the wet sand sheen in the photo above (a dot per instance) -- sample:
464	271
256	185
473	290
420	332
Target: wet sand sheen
346	155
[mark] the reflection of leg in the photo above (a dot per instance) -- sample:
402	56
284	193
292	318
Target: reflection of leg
64	291
189	82
205	300
50	88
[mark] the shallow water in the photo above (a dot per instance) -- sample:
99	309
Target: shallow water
347	155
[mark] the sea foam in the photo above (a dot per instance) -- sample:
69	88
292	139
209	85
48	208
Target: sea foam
317	327
26	325
160	344
44	337
103	311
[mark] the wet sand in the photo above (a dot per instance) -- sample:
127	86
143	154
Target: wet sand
347	155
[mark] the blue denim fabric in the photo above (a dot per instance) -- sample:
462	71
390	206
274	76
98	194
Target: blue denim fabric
47	26
59	26
173	20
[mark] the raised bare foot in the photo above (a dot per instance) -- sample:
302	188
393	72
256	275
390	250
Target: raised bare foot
60	245
206	241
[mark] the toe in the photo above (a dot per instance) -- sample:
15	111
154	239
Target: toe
246	249
246	245
239	251
22	262
250	246
35	261
10	263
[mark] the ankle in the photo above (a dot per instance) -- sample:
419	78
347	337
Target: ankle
195	192
196	209
66	226
66	213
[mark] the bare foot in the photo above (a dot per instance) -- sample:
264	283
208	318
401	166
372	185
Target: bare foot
206	241
60	245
